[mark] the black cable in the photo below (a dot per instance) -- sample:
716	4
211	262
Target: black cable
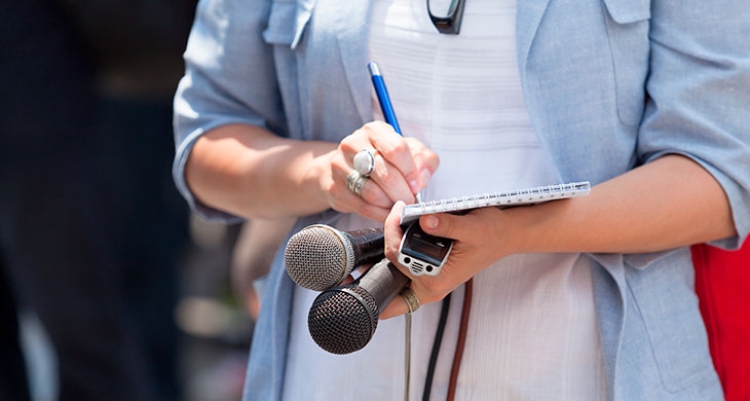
436	347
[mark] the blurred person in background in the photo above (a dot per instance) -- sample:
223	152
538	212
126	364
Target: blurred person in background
90	229
252	257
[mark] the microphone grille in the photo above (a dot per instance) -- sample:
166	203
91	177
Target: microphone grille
343	320
316	258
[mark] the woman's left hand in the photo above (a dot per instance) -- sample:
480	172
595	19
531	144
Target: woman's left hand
479	239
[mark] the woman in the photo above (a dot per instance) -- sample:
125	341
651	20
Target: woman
588	298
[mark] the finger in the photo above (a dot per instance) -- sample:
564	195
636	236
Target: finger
371	202
401	158
356	273
395	149
391	181
343	200
393	233
397	307
372	212
475	227
444	225
388	183
374	193
425	159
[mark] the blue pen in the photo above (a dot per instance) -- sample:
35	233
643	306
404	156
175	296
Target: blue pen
383	98
385	102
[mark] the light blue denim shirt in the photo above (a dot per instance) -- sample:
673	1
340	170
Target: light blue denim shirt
298	69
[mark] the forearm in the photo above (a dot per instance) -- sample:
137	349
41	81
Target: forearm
250	172
668	203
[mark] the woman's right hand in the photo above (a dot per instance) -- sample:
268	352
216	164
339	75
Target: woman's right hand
249	171
403	167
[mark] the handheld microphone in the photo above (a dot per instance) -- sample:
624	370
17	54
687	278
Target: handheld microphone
320	257
343	319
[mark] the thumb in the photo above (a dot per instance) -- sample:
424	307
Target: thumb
442	225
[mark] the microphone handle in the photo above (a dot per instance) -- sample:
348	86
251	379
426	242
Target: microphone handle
368	245
383	281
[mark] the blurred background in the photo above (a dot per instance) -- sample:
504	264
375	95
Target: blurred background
109	288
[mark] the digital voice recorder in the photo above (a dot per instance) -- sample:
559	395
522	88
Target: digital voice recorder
423	253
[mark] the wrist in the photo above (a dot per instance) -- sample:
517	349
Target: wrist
318	181
537	228
515	231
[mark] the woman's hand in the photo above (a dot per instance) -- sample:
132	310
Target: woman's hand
479	240
248	171
403	166
644	210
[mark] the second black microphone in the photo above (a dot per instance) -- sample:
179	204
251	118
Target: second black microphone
343	319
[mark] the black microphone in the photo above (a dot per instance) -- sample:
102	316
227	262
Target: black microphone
320	257
343	319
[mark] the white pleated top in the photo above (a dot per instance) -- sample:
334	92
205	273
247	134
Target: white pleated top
532	334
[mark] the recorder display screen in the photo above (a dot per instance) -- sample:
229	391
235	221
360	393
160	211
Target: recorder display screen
426	247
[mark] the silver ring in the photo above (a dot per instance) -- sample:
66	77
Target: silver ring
355	182
364	162
359	184
351	178
411	299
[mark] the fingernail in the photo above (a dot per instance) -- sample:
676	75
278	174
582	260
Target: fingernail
415	187
430	222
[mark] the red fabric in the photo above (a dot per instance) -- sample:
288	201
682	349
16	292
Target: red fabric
722	282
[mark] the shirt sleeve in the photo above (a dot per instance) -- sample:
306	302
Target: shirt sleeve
229	79
699	95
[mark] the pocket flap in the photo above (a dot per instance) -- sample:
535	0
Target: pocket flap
628	11
287	22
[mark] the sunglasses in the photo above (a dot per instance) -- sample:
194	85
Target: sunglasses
451	23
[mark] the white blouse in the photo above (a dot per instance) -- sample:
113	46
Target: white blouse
532	332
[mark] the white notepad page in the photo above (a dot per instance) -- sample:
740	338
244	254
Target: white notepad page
515	197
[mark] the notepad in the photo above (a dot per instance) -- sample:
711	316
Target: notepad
526	196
